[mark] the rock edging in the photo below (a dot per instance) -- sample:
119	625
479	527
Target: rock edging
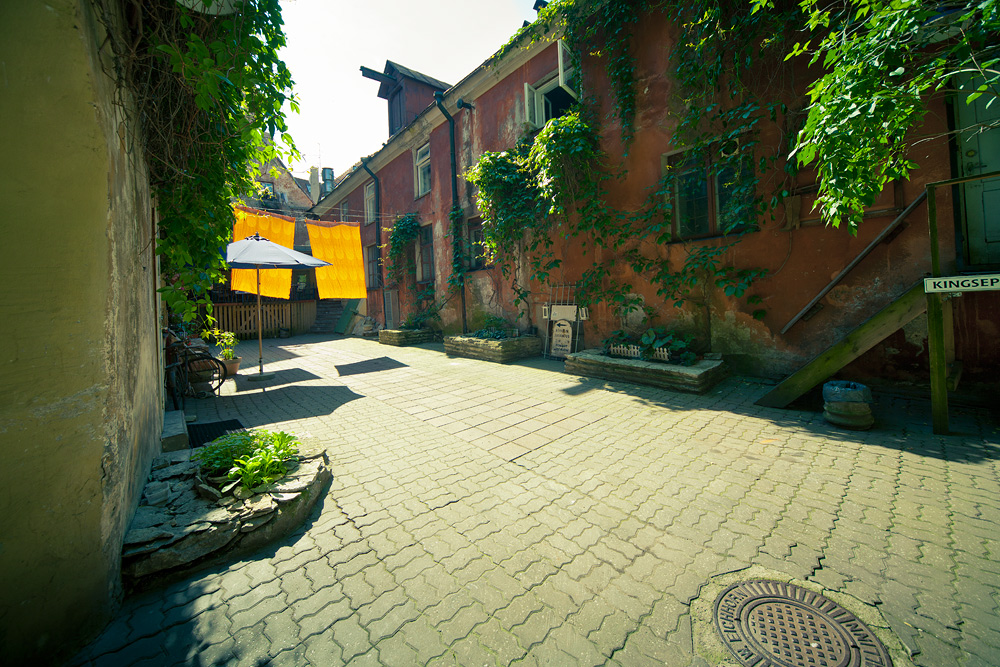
404	337
184	524
697	379
489	349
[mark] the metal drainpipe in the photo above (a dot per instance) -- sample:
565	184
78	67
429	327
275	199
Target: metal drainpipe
378	227
439	101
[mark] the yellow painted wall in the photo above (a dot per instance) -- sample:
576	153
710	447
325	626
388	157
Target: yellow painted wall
80	398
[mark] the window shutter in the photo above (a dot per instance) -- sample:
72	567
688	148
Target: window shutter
565	69
531	105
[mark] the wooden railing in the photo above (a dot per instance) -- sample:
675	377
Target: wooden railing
241	318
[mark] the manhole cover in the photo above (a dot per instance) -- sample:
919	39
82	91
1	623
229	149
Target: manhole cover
776	624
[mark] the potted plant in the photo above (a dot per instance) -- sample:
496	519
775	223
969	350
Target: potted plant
226	341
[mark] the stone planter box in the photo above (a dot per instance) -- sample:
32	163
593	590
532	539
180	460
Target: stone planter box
404	337
697	379
487	349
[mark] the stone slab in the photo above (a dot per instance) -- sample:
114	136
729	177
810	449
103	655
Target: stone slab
175	435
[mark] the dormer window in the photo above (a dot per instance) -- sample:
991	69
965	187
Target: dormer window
396	106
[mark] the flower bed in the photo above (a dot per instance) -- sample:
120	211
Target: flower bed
490	349
697	378
404	337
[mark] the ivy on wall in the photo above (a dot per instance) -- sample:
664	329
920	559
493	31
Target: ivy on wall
728	64
208	92
399	249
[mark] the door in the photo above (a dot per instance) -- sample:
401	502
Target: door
979	153
390	307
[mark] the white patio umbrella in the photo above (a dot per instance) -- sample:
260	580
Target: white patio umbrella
256	252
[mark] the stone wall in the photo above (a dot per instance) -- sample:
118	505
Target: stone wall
404	337
487	349
80	401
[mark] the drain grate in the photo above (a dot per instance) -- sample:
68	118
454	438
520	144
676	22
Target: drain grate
776	624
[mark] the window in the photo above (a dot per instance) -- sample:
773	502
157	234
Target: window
267	189
425	271
373	276
370	212
422	164
709	198
477	251
553	95
343	211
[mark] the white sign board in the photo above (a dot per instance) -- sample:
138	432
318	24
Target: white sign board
562	339
980	283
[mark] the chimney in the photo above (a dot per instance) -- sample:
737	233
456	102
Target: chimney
314	184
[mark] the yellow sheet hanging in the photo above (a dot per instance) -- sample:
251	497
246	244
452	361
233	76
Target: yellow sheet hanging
273	282
341	246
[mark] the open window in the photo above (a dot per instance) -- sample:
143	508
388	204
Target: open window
422	166
554	94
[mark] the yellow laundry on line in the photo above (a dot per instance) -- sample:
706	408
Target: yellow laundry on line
341	246
273	282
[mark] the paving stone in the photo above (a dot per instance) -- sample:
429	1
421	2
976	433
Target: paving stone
589	547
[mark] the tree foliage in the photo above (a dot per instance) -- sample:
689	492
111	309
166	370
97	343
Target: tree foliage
207	92
881	61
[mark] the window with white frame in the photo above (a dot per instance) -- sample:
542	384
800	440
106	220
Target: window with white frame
710	196
422	166
370	212
551	96
343	211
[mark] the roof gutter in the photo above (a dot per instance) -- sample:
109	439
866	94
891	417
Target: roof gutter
378	217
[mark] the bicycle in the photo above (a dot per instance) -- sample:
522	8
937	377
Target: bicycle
189	371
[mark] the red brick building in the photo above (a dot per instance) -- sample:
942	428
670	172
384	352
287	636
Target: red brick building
510	95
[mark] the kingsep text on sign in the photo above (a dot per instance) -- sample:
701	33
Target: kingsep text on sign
962	283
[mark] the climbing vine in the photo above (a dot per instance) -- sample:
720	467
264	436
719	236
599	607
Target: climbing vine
728	65
399	252
204	92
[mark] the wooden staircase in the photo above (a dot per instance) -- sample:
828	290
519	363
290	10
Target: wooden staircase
853	345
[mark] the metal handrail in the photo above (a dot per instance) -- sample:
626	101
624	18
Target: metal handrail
857	260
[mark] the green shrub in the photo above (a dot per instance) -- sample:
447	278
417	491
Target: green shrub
250	457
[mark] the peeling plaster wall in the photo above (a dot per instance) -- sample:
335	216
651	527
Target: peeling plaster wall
80	399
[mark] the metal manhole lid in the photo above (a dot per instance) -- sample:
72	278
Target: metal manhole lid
776	624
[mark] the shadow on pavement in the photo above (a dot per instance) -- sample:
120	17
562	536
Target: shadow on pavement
902	423
369	366
286	403
286	376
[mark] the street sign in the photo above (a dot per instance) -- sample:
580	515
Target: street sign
979	283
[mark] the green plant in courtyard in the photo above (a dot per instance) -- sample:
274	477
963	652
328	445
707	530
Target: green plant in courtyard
224	340
247	455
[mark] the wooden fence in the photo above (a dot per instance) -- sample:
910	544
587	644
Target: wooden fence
241	318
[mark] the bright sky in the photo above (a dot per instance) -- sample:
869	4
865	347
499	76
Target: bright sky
341	117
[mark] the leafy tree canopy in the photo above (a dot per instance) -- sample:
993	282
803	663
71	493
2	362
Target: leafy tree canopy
881	60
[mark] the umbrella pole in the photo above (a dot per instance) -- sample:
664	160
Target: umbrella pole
260	330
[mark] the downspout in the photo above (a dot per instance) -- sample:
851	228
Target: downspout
438	100
378	231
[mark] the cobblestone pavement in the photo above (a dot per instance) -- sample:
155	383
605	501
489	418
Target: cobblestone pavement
486	514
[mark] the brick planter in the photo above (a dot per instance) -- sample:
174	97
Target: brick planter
404	337
697	379
500	351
